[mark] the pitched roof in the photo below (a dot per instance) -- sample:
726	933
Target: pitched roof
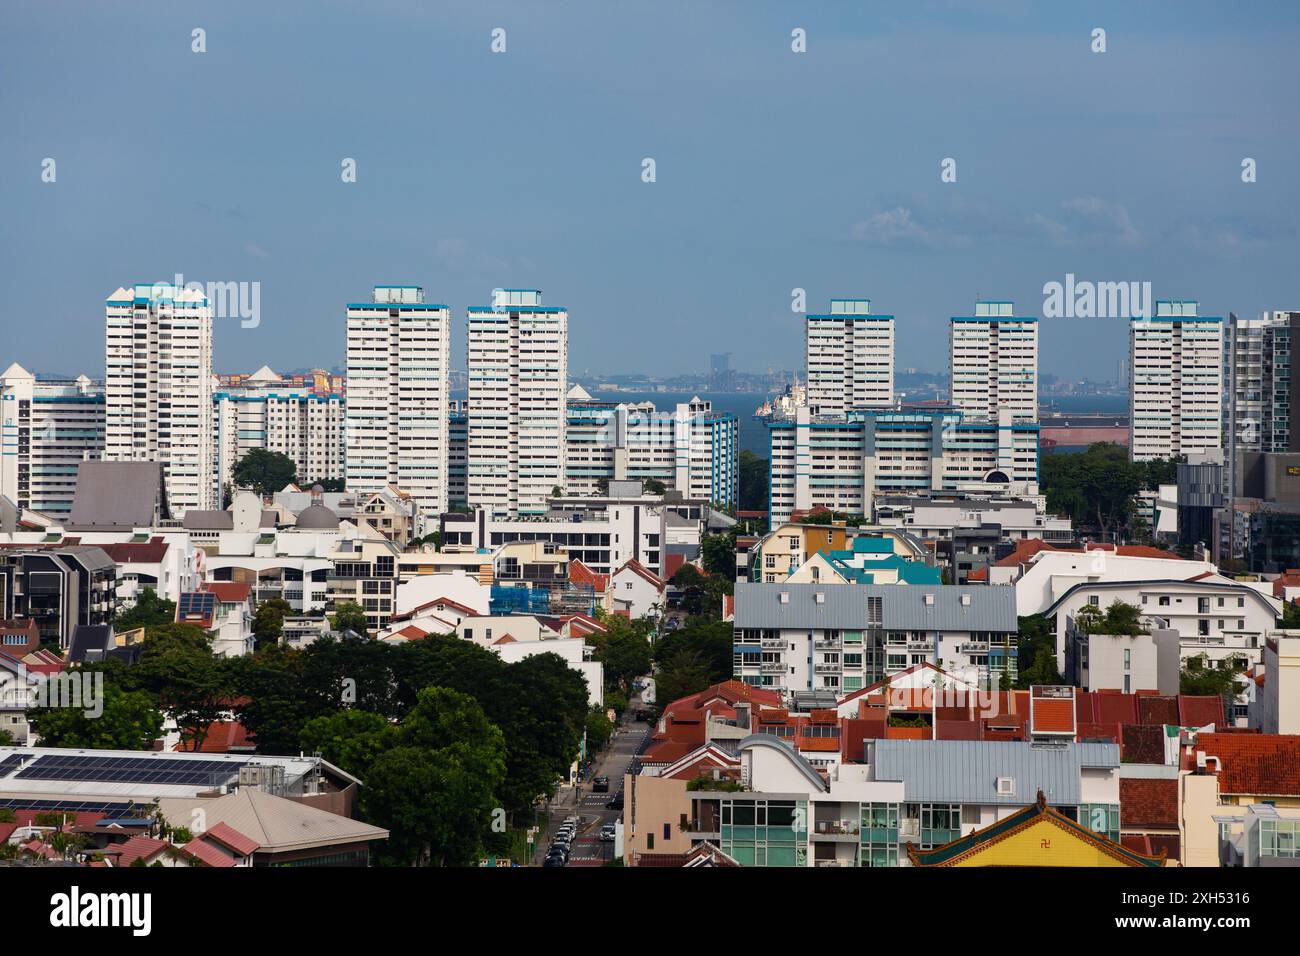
136	552
228	836
1037	812
207	854
117	494
1148	802
275	823
583	576
139	848
229	592
1255	764
636	567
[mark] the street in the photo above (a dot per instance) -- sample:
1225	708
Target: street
630	738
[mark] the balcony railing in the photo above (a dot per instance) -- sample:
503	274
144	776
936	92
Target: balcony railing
836	827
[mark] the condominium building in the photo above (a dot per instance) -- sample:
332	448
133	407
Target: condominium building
850	355
458	453
518	379
158	387
994	362
841	638
1259	381
46	428
264	411
397	403
1175	382
841	463
692	449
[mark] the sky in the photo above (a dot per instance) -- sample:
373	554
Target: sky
774	170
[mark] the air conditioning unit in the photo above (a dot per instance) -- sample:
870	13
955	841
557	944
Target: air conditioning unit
820	598
965	600
929	600
1006	786
785	597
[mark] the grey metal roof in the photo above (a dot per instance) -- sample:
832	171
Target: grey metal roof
776	743
967	771
117	494
204	520
903	606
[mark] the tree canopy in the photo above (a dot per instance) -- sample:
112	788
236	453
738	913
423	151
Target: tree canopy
264	471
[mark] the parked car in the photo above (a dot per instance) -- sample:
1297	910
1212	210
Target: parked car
607	833
553	860
600	785
615	802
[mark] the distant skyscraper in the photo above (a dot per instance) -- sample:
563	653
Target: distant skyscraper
399	351
158	387
850	356
721	376
46	429
518	379
994	362
1176	382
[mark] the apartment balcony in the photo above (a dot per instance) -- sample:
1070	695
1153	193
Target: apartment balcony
828	644
773	644
976	647
826	668
772	667
920	647
835	831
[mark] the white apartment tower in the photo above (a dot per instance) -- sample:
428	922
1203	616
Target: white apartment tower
1175	383
265	411
399	351
518	380
850	355
47	428
158	387
993	358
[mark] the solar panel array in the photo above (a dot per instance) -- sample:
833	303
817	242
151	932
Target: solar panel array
196	604
11	763
155	770
67	806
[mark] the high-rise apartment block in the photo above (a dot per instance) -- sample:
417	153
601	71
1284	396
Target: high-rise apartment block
158	387
296	420
397	403
692	449
994	362
46	429
518	378
850	355
1176	382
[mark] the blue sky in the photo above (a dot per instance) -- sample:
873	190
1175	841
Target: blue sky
775	170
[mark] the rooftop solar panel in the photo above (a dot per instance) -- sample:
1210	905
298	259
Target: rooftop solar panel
158	770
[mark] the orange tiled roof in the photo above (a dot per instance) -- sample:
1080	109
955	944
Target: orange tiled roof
1255	764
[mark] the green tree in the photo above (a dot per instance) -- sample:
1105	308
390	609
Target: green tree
265	471
149	611
653	486
754	477
268	621
349	616
435	791
718	554
1201	678
1036	653
682	674
711	641
625	656
351	739
599	729
129	721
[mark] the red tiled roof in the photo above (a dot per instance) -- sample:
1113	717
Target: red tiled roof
582	575
1256	764
228	836
1153	843
1148	802
1142	743
636	567
207	853
223	736
1200	711
139	848
130	552
1157	710
229	592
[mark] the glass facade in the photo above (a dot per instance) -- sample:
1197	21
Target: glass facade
879	835
765	832
1277	838
1100	818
